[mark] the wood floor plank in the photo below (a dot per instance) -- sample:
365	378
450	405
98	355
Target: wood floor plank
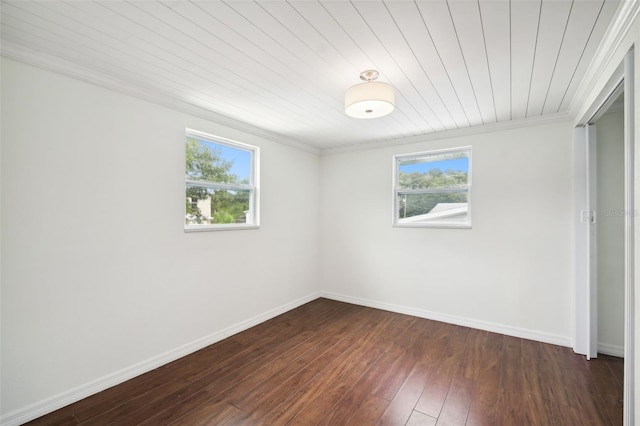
55	420
207	415
219	391
369	412
316	317
276	391
434	394
297	372
223	352
435	338
512	374
511	398
456	407
454	350
534	369
170	413
375	326
170	391
419	419
333	363
335	391
471	361
538	411
403	403
573	384
441	333
409	347
219	367
124	392
352	363
483	408
315	399
616	365
221	357
365	386
510	408
567	415
436	390
608	389
265	397
556	390
537	407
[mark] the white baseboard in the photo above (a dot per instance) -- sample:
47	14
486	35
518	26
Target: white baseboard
63	399
613	350
466	322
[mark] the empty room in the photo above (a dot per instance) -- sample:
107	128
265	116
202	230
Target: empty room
319	212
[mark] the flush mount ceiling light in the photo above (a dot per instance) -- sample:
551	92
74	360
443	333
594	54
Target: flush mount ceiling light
369	100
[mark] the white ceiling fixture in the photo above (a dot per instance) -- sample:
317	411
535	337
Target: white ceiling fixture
371	99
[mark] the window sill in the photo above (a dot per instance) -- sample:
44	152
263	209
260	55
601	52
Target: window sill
434	225
207	228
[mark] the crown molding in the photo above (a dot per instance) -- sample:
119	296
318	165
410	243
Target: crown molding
135	89
624	18
447	134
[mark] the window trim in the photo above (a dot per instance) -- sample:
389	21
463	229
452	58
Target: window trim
253	187
396	191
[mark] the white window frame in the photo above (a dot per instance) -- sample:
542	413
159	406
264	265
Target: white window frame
253	222
397	192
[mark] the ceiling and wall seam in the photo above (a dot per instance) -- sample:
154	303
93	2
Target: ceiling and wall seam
613	38
386	35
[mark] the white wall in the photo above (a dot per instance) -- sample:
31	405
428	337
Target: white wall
90	288
511	272
92	283
611	216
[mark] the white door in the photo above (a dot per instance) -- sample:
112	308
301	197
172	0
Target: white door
586	303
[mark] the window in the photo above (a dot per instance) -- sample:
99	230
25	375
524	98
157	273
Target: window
221	183
433	189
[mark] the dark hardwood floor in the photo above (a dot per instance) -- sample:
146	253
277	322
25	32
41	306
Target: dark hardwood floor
332	363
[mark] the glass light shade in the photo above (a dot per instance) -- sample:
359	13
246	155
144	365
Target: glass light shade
369	100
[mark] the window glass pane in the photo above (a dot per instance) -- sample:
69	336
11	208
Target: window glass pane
215	206
220	163
436	171
443	207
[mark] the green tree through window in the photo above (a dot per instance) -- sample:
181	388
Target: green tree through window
417	204
214	193
433	188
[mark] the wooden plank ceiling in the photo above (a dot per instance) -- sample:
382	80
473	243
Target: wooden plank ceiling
282	67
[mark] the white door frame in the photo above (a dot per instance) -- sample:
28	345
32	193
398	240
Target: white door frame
583	290
629	261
